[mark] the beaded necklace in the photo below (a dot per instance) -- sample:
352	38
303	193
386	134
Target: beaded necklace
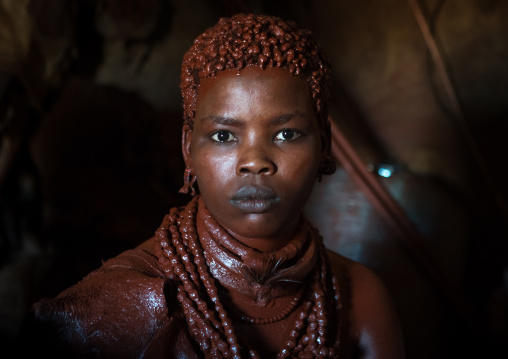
181	255
273	319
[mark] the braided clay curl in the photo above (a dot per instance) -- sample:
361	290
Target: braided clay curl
264	41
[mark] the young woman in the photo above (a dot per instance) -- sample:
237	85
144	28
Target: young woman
239	272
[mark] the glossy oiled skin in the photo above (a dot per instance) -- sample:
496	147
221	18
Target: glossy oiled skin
252	107
127	308
248	110
374	327
121	311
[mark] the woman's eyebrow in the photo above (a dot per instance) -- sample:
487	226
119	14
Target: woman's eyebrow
231	121
222	120
280	120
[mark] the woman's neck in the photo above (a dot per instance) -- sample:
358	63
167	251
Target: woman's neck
268	244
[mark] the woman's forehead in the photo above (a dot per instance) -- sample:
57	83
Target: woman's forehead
253	89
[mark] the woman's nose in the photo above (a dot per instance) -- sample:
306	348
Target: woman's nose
254	159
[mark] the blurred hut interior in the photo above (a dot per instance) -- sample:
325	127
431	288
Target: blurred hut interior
90	129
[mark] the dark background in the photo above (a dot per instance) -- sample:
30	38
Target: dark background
90	119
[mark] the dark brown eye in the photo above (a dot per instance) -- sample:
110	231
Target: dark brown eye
222	136
286	134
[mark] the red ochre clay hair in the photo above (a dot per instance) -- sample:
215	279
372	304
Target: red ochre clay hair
264	41
259	40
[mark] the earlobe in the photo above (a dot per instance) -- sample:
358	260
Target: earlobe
186	146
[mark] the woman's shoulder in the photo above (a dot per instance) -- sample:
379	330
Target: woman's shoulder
117	308
373	320
360	277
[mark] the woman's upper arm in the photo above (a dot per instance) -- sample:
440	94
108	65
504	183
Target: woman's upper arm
374	320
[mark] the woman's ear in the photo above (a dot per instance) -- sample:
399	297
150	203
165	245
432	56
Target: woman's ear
327	164
186	146
326	138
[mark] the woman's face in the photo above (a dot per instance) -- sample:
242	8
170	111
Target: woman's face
255	149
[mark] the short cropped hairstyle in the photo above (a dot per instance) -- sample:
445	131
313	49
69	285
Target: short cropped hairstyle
257	40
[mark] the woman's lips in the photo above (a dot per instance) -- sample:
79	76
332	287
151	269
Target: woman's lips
255	199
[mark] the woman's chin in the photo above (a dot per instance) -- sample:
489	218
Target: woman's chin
262	234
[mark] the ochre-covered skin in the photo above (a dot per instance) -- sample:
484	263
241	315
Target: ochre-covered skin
252	107
263	42
128	309
238	272
225	282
